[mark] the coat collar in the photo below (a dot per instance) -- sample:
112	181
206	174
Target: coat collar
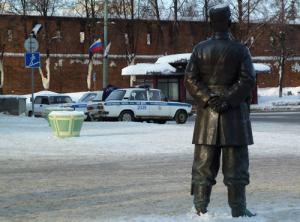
221	35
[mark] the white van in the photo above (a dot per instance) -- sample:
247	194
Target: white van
41	102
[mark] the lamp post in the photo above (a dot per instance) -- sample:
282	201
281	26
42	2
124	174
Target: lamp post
105	58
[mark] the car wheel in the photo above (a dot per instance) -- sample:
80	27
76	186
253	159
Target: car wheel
30	113
181	116
89	118
126	116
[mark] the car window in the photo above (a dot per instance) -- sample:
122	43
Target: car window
60	99
138	95
88	97
154	95
163	97
98	97
38	100
116	95
45	100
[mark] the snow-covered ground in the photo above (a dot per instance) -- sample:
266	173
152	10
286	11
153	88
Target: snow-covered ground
27	142
30	139
23	137
268	99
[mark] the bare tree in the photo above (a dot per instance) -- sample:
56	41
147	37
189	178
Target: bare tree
190	9
91	10
4	35
286	13
3	6
21	7
177	9
2	50
46	9
2	47
126	9
155	8
245	12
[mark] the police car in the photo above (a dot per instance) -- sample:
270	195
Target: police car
86	98
137	104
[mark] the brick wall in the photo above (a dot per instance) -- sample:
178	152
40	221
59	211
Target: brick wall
69	57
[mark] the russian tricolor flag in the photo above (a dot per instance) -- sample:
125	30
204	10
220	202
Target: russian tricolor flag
96	47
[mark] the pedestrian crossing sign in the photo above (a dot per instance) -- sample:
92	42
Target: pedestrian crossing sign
32	60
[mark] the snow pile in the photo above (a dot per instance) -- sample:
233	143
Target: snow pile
148	68
183	57
268	99
287	103
260	67
274	91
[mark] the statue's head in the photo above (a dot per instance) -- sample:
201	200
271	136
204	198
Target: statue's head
219	16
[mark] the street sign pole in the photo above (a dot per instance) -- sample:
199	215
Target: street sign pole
32	60
32	81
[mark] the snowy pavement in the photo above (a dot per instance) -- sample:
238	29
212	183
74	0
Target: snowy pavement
23	137
140	172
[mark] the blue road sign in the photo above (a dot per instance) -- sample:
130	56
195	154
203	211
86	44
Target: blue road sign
32	60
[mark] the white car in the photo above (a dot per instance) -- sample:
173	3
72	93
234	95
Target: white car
84	100
90	96
138	104
44	101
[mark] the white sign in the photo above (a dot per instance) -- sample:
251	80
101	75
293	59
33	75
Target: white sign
31	44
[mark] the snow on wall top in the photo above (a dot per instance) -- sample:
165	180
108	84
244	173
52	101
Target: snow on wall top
260	67
174	58
162	65
148	68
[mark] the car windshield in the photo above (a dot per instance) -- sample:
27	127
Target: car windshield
60	99
87	97
116	95
98	97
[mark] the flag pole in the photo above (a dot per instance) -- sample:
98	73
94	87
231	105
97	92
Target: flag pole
105	57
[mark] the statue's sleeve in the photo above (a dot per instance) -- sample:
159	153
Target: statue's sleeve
193	83
242	90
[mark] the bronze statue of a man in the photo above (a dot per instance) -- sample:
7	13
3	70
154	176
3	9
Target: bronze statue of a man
220	77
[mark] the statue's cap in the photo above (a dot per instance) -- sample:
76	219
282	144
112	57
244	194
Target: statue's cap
219	13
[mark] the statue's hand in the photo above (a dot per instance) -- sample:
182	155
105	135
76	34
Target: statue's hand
218	104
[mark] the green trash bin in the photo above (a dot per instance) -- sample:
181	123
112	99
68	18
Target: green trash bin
48	110
66	123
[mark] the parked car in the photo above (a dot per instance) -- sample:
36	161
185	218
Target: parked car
90	96
130	104
84	100
42	102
